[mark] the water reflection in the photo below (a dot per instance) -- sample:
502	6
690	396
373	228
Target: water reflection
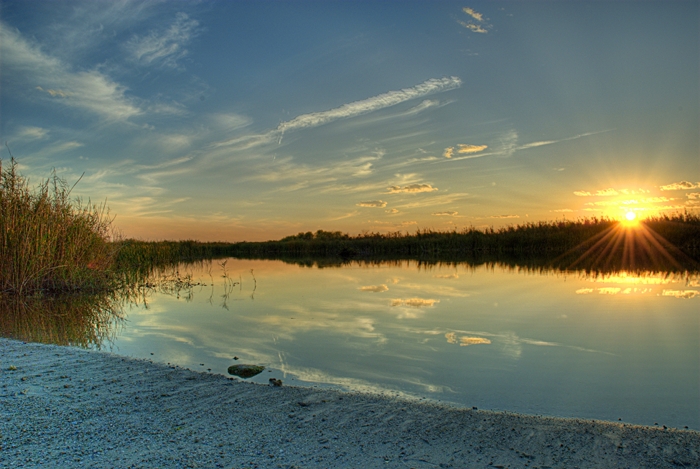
572	343
84	321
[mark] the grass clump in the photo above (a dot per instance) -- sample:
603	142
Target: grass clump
50	243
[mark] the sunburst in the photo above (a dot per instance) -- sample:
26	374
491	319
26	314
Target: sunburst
628	245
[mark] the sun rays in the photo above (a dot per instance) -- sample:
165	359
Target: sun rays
628	245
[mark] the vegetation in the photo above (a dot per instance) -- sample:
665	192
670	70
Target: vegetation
665	242
48	242
52	244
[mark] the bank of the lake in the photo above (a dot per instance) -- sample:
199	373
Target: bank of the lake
65	407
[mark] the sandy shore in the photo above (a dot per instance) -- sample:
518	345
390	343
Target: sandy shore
62	407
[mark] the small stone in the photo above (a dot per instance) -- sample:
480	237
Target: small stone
245	371
275	382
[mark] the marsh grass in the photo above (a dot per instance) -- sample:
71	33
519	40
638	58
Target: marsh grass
50	243
661	243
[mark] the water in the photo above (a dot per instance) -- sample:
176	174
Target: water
563	344
612	347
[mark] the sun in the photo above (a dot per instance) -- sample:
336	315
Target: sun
630	219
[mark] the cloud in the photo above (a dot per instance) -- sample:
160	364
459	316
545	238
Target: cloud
375	288
681	186
693	195
165	47
67	146
504	216
54	93
414	302
477	16
464	148
601	193
447	276
31	133
392	210
412	189
562	210
372	203
356	108
607	192
445	214
285	169
435	200
466	341
473	27
86	90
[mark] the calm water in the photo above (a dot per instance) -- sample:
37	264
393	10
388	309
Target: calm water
555	344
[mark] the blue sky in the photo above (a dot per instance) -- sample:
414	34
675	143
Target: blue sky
232	121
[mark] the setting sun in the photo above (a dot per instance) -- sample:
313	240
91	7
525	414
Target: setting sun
629	219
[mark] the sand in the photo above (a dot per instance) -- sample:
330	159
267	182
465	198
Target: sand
65	407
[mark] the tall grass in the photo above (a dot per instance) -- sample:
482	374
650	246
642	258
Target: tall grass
560	244
48	241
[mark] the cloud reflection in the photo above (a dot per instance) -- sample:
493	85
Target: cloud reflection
414	302
465	341
681	293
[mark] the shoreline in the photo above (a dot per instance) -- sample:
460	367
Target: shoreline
66	407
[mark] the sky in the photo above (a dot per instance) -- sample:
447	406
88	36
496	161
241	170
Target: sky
236	120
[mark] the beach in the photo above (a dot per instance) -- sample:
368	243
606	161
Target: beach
67	407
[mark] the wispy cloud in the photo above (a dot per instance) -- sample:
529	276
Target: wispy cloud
372	203
392	98
165	47
609	192
477	16
434	201
504	216
412	189
473	27
375	288
30	133
680	186
462	149
353	109
445	214
470	25
86	90
507	145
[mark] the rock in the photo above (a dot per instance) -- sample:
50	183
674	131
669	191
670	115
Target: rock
245	371
275	382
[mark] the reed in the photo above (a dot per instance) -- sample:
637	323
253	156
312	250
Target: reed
560	244
50	243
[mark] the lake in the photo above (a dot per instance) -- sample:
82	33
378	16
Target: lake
619	346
